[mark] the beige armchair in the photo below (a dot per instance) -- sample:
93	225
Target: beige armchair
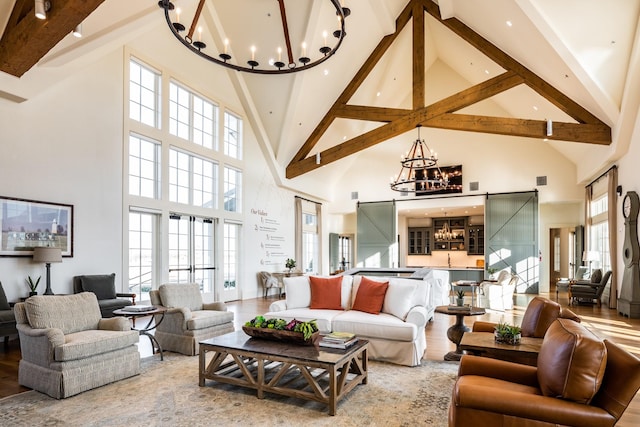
67	348
269	281
188	320
498	295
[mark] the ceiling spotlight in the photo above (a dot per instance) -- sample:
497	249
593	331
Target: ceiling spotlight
77	31
41	8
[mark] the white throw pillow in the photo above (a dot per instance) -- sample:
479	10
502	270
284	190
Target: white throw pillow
298	292
400	297
346	299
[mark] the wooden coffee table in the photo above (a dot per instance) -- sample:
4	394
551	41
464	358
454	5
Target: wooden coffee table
320	374
484	344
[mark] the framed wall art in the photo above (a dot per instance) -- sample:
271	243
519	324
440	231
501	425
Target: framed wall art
27	224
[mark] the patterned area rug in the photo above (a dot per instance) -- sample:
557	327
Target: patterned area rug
167	394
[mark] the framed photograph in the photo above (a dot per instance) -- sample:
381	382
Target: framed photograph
27	224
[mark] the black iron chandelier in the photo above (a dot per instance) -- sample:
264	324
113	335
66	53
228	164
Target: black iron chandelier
420	173
290	63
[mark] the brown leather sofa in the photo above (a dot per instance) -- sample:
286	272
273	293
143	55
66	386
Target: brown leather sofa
580	380
539	315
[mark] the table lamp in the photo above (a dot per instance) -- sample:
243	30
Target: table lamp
47	255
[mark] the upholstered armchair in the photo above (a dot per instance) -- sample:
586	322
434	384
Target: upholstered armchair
7	318
67	348
579	380
104	286
268	281
498	295
539	315
589	290
188	320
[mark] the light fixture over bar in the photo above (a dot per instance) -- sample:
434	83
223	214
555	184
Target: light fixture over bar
288	64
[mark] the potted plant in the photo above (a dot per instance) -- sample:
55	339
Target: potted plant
290	264
492	271
460	298
33	285
508	334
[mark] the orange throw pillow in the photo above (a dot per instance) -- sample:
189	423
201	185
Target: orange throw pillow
370	296
326	292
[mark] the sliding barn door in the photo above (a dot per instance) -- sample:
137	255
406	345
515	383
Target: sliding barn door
511	227
377	235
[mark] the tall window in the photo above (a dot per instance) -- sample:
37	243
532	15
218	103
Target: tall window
144	94
143	230
344	252
192	180
599	233
144	167
231	255
309	243
232	135
192	117
232	189
191	251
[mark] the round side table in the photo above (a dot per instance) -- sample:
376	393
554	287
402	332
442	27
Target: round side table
455	332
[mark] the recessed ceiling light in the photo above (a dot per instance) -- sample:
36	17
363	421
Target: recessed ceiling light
326	72
378	94
344	138
509	24
535	108
486	71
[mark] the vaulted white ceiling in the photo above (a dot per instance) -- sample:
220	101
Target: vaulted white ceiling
587	49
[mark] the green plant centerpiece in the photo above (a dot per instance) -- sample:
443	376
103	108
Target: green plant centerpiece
460	298
33	285
295	331
508	334
492	271
290	264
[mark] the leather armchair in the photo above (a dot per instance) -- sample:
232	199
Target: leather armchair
580	380
7	318
539	315
589	290
188	319
104	286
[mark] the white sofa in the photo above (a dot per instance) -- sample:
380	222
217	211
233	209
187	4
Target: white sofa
395	335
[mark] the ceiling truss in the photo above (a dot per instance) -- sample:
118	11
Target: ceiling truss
441	114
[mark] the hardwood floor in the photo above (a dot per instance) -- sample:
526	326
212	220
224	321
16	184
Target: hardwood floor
602	321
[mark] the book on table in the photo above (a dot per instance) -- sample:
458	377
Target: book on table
341	340
138	308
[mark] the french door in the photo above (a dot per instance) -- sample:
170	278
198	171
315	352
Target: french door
192	251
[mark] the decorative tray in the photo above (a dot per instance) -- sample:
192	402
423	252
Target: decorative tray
283	336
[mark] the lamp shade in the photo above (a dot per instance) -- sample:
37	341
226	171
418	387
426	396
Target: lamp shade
47	254
590	256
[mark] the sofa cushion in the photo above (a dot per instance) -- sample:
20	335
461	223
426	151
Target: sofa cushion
298	291
382	326
370	296
84	344
201	319
571	362
400	297
102	285
326	292
69	313
181	296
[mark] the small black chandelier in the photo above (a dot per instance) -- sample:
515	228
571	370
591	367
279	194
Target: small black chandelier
286	64
420	173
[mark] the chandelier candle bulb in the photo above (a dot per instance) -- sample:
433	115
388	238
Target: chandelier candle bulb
178	12
226	46
304	49
199	34
324	36
279	54
253	53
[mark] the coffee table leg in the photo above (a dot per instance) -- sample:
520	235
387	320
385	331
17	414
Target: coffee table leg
454	333
332	390
203	363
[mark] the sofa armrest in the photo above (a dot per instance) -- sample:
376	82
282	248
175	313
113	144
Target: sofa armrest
217	306
34	341
279	305
127	295
114	324
498	369
418	316
175	319
480	326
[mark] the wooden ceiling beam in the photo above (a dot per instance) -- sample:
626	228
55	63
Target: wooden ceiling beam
557	98
354	84
372	114
28	39
419	54
591	133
